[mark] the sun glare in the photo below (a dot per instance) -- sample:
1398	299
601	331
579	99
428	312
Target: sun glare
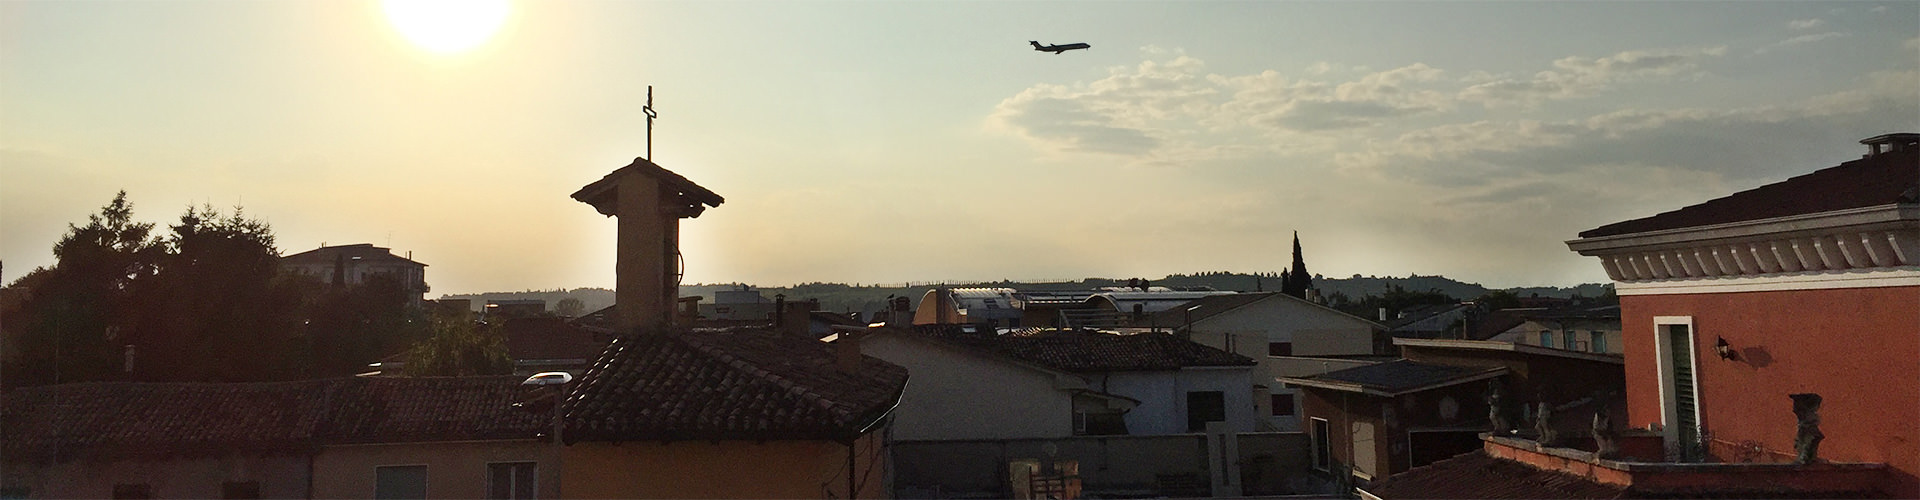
447	26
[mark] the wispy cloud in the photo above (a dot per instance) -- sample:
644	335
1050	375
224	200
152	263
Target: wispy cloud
1802	39
1579	77
1806	24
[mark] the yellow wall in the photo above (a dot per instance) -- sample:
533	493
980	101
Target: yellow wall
454	470
723	469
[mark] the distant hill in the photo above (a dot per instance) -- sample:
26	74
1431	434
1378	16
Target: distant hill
842	297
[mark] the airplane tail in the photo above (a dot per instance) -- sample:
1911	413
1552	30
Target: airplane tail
1036	44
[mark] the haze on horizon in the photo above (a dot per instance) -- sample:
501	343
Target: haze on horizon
865	142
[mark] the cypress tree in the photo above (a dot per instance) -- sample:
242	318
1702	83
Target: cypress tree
1297	280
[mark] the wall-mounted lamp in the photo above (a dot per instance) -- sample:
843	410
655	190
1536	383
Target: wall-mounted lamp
1725	351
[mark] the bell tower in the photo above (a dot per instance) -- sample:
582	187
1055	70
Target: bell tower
648	202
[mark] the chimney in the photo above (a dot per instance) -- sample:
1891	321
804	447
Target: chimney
779	310
846	351
1890	143
649	202
1383	315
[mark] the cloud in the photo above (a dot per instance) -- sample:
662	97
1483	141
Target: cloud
1802	39
1114	115
1158	107
1806	24
1745	143
1579	77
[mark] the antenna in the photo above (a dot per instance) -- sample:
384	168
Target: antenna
651	114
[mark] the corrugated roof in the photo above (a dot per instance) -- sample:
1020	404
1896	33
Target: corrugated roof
1394	377
1093	351
1882	179
727	384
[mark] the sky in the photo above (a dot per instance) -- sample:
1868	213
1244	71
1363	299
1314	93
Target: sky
866	142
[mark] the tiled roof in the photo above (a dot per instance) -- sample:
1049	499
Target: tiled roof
417	409
1394	377
65	422
600	192
1094	351
128	419
728	384
1882	179
549	338
1478	475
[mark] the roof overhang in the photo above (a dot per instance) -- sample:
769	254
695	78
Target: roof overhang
1828	249
1494	345
1863	219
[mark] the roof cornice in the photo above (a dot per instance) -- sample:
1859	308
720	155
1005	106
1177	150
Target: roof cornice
1890	215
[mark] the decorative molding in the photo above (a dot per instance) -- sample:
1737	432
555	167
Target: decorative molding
1805	280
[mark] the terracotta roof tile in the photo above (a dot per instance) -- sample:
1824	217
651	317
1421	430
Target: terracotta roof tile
127	419
414	409
727	384
1878	180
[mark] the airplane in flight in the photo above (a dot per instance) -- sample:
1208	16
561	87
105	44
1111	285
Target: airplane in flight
1057	49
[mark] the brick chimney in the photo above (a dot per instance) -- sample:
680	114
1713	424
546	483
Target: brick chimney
649	202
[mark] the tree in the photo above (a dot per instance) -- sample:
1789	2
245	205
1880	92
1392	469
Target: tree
459	347
73	317
569	307
216	308
1297	279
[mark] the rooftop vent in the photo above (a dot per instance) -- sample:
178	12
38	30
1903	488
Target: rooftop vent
1891	143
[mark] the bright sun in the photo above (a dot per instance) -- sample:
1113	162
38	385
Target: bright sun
447	26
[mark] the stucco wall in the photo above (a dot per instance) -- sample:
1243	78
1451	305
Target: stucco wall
454	470
1858	348
1270	463
1313	330
1163	397
958	395
724	469
282	476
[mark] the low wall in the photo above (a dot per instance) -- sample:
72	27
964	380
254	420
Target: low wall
1269	463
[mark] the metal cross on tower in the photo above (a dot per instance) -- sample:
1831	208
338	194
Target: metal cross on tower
648	109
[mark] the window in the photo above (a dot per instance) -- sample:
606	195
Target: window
511	480
139	490
1599	341
1570	343
1322	445
240	489
12	492
1203	407
1546	338
1280	349
400	481
1283	405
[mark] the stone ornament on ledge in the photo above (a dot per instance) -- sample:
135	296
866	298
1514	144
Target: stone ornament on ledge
1806	407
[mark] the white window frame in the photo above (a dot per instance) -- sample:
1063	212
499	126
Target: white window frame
536	474
1669	403
1320	463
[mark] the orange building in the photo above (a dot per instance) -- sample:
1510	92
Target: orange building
1805	286
741	413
